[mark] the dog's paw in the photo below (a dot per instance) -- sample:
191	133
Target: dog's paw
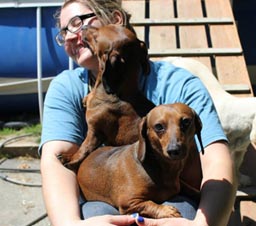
63	158
168	211
72	166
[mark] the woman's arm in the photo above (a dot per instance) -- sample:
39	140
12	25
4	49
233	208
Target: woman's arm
61	193
60	189
217	192
218	186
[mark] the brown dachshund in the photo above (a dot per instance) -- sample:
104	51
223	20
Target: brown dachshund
137	178
115	105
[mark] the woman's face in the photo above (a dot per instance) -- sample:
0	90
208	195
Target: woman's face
74	46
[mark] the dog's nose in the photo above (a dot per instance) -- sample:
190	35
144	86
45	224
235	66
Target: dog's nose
175	152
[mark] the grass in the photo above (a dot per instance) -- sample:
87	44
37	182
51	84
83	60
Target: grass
31	133
34	129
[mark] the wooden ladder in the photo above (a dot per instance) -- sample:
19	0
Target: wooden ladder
201	29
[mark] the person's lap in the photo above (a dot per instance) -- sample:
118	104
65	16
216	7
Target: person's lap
185	205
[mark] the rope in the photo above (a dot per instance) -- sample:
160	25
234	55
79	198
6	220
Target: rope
37	220
13	181
14	138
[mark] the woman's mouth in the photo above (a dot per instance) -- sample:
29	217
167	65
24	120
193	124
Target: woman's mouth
77	50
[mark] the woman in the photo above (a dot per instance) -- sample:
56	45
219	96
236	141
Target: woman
64	129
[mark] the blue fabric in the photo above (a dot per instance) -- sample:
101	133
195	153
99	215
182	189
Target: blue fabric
186	207
64	114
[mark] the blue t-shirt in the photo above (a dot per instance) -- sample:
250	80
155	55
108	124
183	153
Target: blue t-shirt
64	115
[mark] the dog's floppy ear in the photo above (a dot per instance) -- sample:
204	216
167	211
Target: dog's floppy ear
114	71
141	150
98	47
144	58
89	36
102	68
104	48
198	125
102	62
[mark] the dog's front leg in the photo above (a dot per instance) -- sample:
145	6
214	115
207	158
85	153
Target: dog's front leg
90	143
152	210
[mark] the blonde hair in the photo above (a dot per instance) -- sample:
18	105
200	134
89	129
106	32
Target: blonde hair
104	10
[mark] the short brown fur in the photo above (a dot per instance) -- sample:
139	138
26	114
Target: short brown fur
115	105
139	177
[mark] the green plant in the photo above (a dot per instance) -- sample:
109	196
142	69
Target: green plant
34	129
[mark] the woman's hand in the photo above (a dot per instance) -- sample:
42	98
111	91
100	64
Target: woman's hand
165	222
107	220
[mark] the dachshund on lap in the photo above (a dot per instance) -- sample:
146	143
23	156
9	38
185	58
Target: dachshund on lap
137	178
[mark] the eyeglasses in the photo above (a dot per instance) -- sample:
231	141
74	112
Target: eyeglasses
74	25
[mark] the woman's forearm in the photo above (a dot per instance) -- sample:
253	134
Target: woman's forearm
218	188
60	191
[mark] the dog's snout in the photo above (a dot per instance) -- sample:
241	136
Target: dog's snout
175	151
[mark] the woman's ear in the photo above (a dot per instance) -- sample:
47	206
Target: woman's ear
118	17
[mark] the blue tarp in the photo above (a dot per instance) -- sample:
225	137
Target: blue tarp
18	56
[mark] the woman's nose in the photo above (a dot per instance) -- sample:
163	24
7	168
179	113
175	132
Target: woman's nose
70	37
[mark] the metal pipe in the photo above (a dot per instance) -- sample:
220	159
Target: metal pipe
39	61
70	63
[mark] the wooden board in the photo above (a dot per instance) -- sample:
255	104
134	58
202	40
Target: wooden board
204	30
137	9
161	37
193	36
230	69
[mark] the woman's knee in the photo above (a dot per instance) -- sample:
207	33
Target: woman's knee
96	208
186	206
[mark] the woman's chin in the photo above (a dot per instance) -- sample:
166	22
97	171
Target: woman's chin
87	61
83	56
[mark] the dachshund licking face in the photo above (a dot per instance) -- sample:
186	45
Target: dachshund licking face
115	105
120	54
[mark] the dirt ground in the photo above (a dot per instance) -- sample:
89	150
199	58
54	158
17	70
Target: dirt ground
21	198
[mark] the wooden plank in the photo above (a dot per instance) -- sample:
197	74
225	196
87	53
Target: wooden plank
161	37
206	31
200	52
231	69
137	10
193	37
237	88
180	21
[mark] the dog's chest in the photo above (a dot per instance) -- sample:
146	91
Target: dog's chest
162	180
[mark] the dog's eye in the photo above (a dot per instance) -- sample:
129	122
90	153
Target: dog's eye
159	127
185	123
